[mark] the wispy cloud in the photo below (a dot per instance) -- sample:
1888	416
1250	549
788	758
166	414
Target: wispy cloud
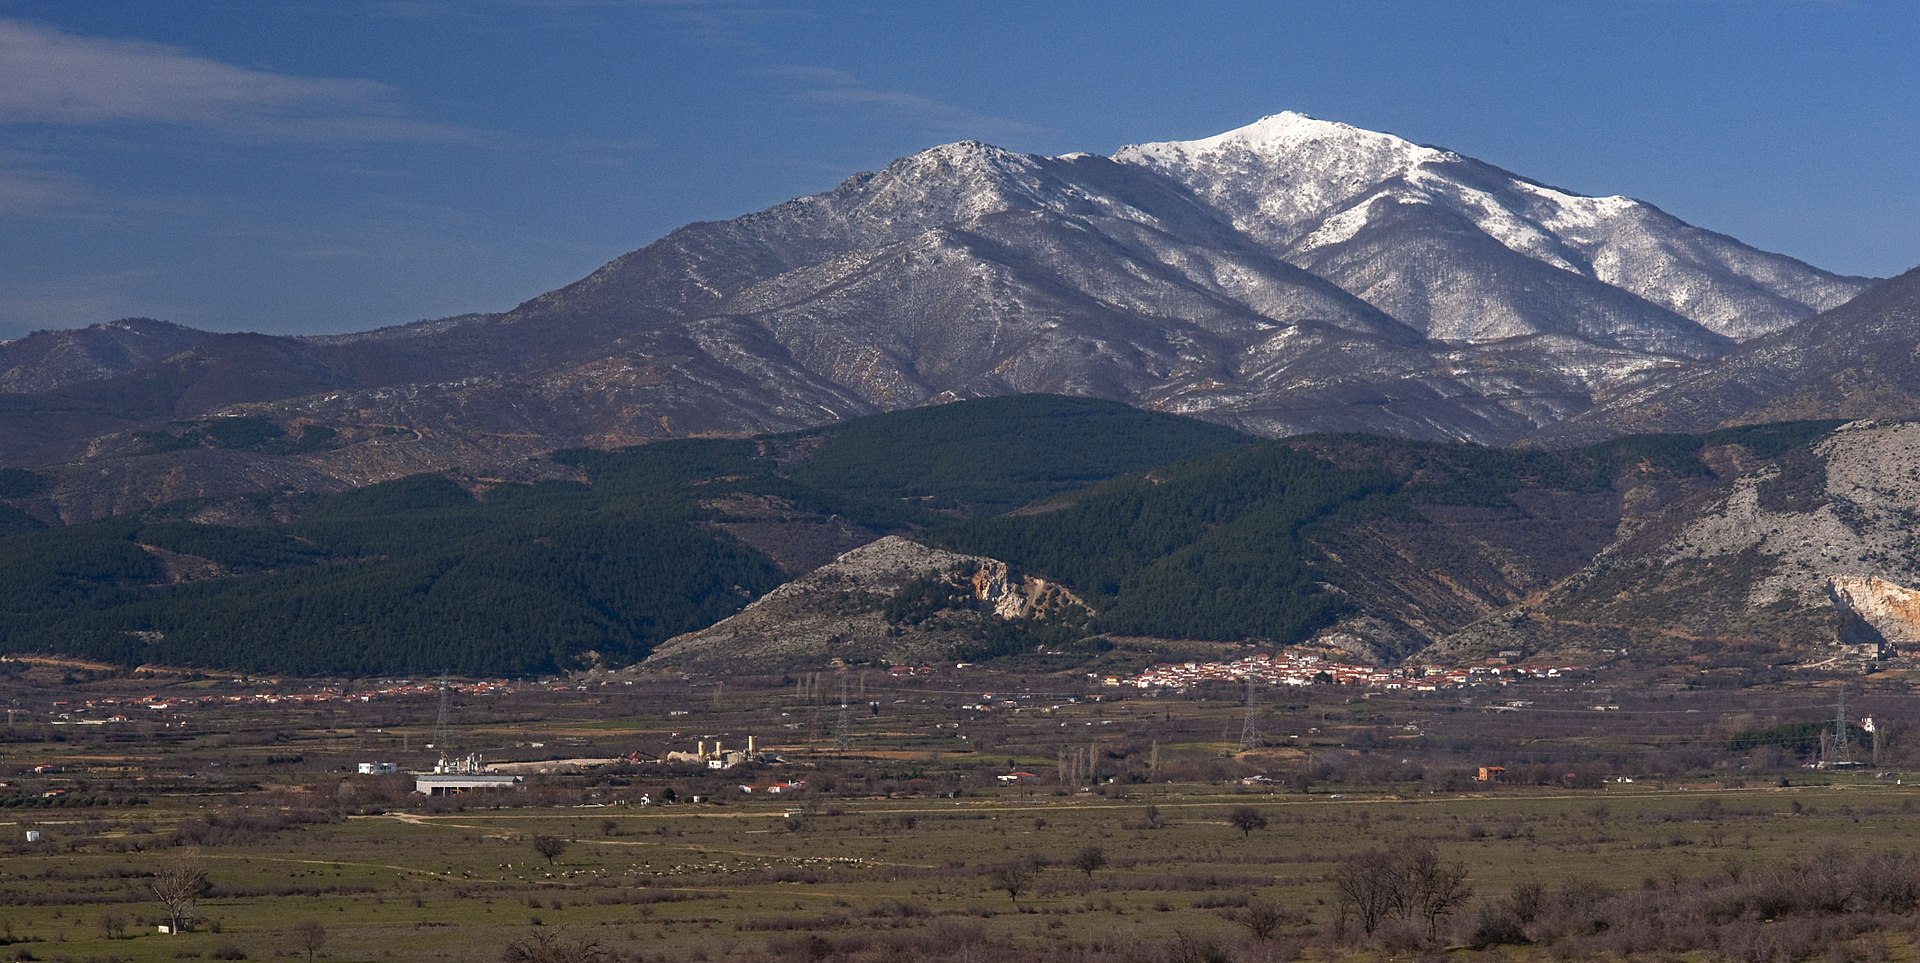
738	27
826	85
27	188
48	76
719	24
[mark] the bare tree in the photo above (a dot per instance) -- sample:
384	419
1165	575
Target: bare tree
1409	883
545	946
1090	859
1014	878
1435	888
1262	918
308	935
1368	887
549	846
1247	819
178	884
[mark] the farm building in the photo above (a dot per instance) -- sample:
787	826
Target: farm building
453	783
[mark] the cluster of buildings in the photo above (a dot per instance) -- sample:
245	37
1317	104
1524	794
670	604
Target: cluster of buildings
74	710
1301	669
454	775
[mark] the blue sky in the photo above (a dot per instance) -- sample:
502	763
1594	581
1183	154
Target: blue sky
345	164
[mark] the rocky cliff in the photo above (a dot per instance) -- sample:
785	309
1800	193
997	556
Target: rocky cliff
1892	611
1803	553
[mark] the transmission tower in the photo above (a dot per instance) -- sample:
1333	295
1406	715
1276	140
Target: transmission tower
845	720
440	734
1842	742
1250	729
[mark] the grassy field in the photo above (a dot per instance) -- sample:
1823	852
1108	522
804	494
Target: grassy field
905	845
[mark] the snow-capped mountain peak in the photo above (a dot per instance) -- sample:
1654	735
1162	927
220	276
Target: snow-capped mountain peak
1342	202
1291	137
1290	275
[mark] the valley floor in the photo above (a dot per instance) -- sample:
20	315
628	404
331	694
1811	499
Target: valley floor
1680	822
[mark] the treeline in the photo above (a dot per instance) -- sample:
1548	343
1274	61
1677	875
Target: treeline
1233	545
1166	526
1828	905
411	576
1800	738
420	575
1211	549
243	433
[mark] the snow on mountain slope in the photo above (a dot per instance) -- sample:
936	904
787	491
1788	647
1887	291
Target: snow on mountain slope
1292	275
1305	185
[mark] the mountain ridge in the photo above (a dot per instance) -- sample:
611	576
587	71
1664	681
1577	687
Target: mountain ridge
1439	297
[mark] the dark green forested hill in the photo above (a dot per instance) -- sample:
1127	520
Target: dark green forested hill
421	575
1166	527
1279	539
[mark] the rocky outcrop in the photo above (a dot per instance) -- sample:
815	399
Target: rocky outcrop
1892	610
1795	551
1011	598
837	613
1841	509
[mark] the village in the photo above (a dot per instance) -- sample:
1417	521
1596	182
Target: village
1283	668
1305	669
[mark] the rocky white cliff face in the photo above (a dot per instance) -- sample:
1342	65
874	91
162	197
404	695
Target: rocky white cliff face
1011	598
1892	610
1846	520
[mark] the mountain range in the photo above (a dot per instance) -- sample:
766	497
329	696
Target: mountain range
1291	276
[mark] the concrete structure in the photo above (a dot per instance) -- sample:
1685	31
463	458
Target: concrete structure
453	783
720	757
463	774
378	769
